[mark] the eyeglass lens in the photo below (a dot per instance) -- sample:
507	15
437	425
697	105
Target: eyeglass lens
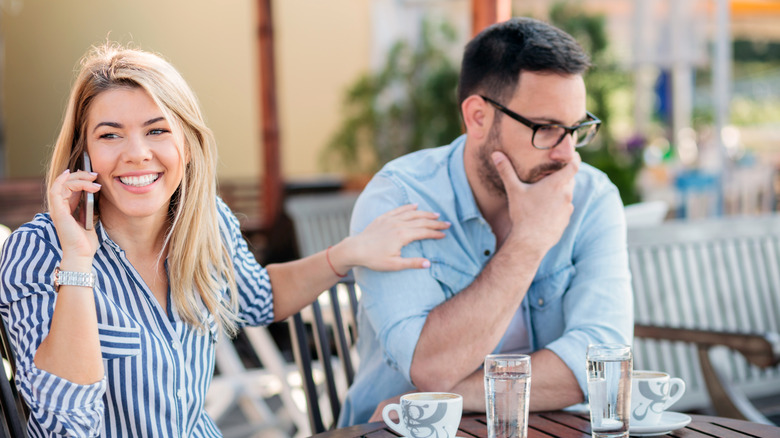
550	136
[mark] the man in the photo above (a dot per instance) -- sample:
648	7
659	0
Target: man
535	260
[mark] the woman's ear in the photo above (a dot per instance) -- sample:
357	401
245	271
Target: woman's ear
477	116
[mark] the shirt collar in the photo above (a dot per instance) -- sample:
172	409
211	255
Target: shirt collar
103	236
466	204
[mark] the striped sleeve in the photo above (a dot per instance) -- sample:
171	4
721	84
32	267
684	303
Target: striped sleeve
252	281
27	300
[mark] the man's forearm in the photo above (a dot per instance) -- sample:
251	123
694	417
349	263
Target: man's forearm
459	332
553	385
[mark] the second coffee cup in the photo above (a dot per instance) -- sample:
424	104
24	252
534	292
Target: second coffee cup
652	393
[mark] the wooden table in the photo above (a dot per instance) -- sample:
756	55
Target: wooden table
574	425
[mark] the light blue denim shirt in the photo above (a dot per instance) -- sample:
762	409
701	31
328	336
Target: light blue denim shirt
581	293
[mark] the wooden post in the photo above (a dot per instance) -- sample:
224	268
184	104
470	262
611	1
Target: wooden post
487	12
270	204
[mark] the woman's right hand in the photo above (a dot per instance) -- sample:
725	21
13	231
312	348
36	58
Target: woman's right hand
64	196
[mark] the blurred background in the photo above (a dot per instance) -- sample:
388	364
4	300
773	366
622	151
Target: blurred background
307	95
311	96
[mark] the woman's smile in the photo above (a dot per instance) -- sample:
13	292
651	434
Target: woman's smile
139	181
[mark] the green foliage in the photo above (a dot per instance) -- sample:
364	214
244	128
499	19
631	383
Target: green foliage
408	105
620	162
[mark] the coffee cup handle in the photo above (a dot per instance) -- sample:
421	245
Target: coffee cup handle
679	385
398	427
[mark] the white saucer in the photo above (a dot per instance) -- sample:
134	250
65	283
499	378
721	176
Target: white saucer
669	421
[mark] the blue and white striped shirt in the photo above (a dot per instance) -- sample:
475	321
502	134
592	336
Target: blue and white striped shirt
158	368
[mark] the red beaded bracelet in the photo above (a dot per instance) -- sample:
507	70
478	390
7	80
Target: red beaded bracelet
327	257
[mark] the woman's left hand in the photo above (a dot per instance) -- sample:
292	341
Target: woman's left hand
378	247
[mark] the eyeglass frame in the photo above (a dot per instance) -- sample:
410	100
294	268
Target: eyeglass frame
568	130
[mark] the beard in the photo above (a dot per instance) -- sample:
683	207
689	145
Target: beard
488	173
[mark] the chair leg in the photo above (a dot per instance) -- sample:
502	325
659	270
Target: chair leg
304	360
727	400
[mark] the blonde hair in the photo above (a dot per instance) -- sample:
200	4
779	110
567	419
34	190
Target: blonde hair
199	262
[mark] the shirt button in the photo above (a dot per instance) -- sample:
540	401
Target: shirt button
180	393
487	252
541	301
175	346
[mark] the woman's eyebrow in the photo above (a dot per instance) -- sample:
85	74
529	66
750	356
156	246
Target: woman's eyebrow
111	124
120	126
153	121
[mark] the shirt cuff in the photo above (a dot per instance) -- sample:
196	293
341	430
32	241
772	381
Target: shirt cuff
572	351
64	407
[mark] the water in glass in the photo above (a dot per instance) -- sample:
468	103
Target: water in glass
609	388
507	401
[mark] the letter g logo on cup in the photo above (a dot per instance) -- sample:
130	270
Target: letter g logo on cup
652	393
426	415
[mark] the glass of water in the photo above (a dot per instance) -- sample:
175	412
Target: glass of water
507	387
609	389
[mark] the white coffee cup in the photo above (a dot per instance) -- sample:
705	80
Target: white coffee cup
652	393
426	414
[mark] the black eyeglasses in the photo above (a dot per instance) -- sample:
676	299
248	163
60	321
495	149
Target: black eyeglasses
550	135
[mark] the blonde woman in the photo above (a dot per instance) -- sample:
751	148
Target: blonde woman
114	325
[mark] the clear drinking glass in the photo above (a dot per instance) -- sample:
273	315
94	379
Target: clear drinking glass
507	387
609	389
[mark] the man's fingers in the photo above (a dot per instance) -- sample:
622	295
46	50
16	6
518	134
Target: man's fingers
567	173
506	171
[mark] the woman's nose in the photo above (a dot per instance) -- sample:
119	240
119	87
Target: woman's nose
137	149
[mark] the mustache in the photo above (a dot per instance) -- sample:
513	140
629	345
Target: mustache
546	167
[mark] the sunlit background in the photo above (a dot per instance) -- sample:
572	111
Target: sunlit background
689	92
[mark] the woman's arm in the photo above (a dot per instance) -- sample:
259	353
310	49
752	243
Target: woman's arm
296	284
71	349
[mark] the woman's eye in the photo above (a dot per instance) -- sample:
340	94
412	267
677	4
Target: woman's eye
158	131
109	136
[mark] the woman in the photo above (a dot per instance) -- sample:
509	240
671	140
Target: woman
114	325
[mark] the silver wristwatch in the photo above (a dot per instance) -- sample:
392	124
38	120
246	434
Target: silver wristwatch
70	278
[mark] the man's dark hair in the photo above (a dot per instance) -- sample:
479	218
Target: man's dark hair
493	60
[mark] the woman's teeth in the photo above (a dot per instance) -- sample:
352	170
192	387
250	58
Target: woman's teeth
139	181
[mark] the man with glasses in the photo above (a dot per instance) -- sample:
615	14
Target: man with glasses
535	260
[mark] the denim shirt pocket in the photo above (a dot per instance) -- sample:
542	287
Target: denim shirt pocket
453	279
547	289
118	341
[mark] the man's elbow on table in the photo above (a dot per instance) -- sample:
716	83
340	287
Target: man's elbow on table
428	378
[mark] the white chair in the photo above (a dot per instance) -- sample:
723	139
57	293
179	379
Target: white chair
238	389
644	214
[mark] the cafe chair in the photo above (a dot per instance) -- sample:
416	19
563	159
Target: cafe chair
707	283
240	390
320	220
326	378
14	411
728	399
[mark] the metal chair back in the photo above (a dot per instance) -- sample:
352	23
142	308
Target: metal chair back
331	329
14	411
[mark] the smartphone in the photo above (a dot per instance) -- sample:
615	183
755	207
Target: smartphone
87	198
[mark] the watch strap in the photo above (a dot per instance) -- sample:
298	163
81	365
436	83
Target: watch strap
71	278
